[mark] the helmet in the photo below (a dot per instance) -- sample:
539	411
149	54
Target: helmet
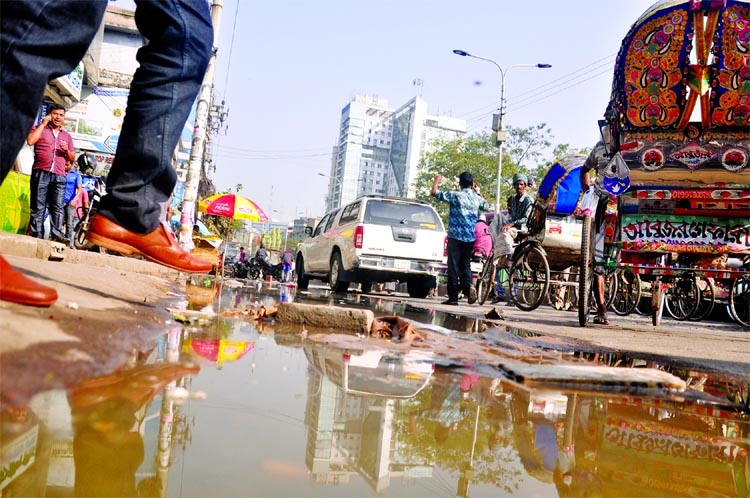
482	217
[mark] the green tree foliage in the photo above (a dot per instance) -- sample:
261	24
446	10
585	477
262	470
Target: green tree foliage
525	151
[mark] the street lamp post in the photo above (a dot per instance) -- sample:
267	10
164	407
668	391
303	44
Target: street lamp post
500	132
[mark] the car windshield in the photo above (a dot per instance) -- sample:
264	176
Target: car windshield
399	213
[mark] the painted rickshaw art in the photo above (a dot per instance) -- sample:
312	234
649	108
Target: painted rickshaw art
679	120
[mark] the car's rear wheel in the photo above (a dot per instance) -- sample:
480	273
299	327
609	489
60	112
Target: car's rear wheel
420	287
335	277
302	281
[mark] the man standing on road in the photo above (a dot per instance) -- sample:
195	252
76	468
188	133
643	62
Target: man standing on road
595	157
462	217
42	40
53	147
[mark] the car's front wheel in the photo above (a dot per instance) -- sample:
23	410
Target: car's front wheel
335	277
302	281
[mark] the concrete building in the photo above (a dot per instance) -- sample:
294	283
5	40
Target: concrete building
379	148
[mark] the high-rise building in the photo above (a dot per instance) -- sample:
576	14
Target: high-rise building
379	148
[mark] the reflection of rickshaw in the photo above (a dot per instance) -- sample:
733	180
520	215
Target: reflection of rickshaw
682	228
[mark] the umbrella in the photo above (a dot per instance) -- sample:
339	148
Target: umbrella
218	350
232	206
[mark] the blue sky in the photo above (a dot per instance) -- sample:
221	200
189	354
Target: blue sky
285	70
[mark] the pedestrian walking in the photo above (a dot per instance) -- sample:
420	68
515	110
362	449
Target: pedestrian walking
53	148
163	90
465	205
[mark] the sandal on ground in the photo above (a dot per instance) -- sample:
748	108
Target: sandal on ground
601	320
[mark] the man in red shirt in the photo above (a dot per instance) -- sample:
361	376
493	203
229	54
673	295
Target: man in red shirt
53	147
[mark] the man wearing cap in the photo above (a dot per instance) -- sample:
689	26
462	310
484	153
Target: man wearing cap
464	210
519	204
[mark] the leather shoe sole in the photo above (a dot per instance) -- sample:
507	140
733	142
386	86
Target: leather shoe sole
159	246
15	287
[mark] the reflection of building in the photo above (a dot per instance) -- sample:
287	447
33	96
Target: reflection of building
349	433
379	148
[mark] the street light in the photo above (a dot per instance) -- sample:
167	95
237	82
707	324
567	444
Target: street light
331	177
500	132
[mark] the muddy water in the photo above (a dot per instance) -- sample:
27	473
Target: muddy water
233	407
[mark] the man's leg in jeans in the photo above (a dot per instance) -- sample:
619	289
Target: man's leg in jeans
465	266
172	67
56	201
454	257
39	187
70	222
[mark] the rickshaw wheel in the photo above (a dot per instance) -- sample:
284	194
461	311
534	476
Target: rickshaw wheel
586	270
486	280
611	287
683	297
529	278
628	292
739	300
708	296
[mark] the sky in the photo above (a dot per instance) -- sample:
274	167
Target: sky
285	69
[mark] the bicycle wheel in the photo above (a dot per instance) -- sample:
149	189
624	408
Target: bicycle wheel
529	278
682	298
707	298
586	269
486	280
611	286
628	292
643	307
739	300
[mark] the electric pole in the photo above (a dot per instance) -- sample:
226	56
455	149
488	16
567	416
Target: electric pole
200	135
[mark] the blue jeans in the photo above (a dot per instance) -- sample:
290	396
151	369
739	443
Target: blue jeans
459	267
47	189
164	87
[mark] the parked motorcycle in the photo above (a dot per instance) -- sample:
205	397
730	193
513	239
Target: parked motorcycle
80	242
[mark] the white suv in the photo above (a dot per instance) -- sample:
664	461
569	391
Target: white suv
376	239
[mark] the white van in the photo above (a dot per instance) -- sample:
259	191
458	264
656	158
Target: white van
376	239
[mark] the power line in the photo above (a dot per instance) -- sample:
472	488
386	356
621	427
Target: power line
231	46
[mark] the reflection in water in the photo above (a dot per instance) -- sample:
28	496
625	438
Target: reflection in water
89	441
361	422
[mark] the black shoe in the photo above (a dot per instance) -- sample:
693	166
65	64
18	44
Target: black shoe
452	303
497	299
472	295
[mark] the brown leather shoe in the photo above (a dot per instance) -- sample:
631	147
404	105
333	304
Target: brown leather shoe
15	287
159	246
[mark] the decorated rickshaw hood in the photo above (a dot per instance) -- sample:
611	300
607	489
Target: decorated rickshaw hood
681	87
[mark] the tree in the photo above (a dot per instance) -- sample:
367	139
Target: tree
524	151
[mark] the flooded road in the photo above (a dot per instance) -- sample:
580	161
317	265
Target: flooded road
239	407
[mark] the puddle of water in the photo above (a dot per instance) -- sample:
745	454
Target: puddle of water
271	413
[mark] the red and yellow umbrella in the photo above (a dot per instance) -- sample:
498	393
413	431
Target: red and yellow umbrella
232	206
217	350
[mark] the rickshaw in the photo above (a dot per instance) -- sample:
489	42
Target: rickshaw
676	141
540	262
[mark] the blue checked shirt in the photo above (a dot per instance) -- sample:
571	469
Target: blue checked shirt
465	205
